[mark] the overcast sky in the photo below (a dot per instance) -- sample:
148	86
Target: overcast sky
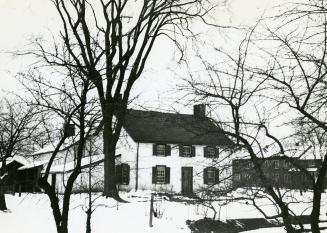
20	20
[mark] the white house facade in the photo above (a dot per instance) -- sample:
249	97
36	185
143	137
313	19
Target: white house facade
163	152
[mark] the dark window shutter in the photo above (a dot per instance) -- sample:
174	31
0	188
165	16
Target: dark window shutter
205	176
168	150
154	149
216	152
118	174
205	152
181	151
193	151
167	175
126	166
217	176
154	175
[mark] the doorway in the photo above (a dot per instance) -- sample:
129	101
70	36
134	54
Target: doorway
187	180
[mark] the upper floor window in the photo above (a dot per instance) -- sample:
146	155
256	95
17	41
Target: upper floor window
161	149
186	151
160	174
312	163
210	175
210	152
276	164
266	164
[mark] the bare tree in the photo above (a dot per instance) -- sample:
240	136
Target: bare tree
19	129
109	43
67	104
296	70
235	89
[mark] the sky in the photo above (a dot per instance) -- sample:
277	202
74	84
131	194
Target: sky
22	20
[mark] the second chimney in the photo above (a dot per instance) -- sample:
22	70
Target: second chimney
199	110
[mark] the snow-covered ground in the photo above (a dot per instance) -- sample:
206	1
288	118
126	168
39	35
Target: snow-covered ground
31	213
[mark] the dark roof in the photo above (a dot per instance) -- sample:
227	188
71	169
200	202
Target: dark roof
159	127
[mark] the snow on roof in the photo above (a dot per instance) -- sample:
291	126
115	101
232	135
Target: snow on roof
17	158
69	166
312	169
51	147
33	164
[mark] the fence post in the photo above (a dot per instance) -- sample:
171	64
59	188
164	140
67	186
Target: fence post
151	211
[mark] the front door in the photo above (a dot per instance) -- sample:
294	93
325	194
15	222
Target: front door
187	180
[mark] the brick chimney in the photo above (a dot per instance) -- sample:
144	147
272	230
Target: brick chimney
199	110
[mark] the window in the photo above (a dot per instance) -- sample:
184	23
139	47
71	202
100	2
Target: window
211	175
248	165
276	164
160	174
186	151
210	152
161	150
122	173
125	174
237	177
275	177
311	163
287	178
287	164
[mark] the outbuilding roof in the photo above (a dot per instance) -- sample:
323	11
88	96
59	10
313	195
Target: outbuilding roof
159	127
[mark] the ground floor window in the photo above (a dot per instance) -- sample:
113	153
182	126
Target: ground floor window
211	175
160	174
122	173
237	177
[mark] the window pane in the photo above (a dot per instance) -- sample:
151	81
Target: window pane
161	149
161	174
211	151
187	151
124	174
211	175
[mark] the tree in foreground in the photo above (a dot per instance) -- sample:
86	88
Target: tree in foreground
109	43
66	104
19	131
241	97
296	71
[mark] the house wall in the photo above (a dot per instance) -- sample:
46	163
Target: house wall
147	160
126	152
279	171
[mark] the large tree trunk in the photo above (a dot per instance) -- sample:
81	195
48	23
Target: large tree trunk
109	144
287	220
